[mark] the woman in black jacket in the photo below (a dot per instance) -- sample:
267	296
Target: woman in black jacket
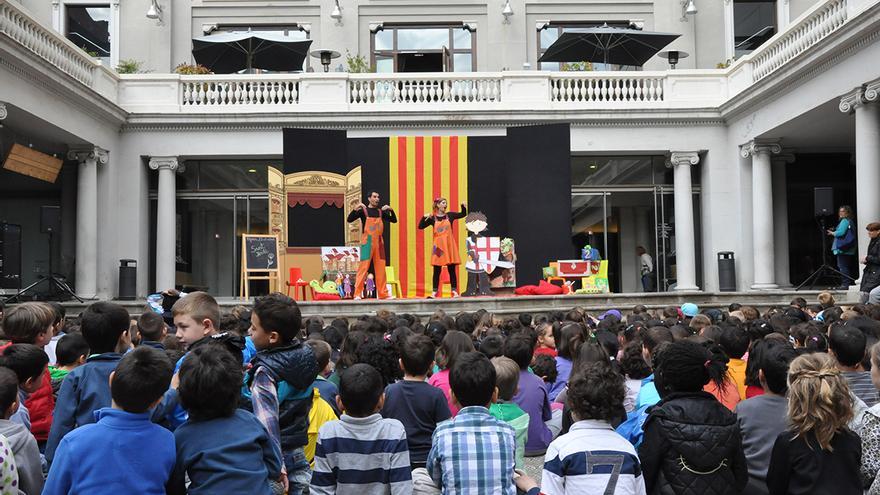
871	275
692	442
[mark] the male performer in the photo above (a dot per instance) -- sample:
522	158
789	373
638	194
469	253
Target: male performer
372	244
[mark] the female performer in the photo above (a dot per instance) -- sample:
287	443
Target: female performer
445	251
844	246
871	276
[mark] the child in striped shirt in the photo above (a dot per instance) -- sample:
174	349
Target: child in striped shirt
362	453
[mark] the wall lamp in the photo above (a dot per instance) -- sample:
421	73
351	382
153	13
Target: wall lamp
507	11
688	7
155	11
336	14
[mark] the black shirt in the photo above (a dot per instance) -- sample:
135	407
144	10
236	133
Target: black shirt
797	469
453	215
419	407
387	215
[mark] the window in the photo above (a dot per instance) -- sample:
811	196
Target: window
88	26
551	32
754	22
295	32
424	48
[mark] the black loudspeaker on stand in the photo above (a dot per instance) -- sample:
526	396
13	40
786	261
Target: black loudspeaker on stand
50	222
823	206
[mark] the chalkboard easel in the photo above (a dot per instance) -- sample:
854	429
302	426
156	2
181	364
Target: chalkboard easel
260	260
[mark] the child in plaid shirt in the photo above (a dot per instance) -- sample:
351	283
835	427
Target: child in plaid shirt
472	453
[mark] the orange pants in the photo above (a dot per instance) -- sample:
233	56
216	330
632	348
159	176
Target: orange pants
378	267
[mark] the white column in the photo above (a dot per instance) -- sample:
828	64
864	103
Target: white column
3	111
685	244
780	218
166	221
865	102
87	219
762	211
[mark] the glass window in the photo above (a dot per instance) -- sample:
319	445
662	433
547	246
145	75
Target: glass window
754	22
207	175
88	27
619	170
419	49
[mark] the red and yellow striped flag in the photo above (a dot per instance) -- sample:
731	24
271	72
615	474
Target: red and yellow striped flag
420	170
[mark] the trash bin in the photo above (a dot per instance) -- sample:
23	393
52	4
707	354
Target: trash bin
127	280
726	272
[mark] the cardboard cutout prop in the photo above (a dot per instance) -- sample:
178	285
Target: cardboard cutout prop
484	255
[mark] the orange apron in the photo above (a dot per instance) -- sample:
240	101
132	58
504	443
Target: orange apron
372	249
445	252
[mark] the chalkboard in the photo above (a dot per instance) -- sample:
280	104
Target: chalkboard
260	253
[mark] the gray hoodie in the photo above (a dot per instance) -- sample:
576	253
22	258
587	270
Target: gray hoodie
27	456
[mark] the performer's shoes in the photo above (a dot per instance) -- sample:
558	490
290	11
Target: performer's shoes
357	298
433	295
455	294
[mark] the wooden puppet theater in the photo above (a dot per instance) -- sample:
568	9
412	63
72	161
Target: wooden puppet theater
521	181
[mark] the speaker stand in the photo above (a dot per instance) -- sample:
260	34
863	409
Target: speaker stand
825	269
57	285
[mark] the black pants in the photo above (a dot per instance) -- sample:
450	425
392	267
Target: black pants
453	277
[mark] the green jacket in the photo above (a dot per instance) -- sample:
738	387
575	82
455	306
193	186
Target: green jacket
511	414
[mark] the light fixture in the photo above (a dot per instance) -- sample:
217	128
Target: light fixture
252	170
673	56
155	11
326	57
336	13
507	11
688	7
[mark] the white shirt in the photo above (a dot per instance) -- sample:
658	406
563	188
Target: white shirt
647	263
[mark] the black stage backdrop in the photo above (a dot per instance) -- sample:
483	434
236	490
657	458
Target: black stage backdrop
521	181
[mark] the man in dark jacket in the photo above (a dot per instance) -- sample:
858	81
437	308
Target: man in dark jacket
871	275
279	383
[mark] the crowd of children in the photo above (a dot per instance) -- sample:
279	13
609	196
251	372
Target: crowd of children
184	399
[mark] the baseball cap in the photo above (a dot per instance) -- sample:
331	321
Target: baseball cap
689	309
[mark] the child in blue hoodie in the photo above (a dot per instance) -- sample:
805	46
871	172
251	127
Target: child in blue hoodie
221	448
279	383
124	452
86	389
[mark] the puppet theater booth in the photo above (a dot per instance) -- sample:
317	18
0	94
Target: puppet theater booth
520	180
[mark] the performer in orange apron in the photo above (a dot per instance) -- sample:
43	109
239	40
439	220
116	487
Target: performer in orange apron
373	219
445	250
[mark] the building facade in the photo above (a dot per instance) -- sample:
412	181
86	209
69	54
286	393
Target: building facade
719	155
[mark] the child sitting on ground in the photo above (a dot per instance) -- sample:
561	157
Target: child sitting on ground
220	448
362	453
71	352
472	453
818	453
544	366
595	394
544	423
326	388
413	402
546	342
29	364
22	444
86	389
124	452
507	382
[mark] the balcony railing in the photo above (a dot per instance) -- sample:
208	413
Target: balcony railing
611	87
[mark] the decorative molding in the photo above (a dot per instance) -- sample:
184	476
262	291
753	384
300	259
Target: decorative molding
760	146
784	157
684	158
94	154
852	100
872	91
3	112
166	162
316	181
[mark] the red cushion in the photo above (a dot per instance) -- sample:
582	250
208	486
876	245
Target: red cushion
547	289
318	296
525	290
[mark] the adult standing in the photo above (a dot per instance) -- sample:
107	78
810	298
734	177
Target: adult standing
646	269
445	250
871	275
844	246
373	221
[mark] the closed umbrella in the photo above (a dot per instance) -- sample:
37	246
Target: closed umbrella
608	45
227	53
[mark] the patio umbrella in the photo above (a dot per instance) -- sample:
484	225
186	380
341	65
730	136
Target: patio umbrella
608	45
231	52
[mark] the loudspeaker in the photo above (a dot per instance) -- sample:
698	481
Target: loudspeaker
10	256
823	201
50	219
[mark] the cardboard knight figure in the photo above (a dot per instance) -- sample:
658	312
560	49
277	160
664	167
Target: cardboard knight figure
477	267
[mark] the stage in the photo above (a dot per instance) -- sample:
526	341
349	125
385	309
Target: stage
512	305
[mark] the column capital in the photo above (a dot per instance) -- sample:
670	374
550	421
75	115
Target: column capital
96	154
784	157
872	91
169	162
760	146
3	111
684	158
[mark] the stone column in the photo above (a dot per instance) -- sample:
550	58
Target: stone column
166	221
685	244
762	211
865	103
3	111
87	219
780	217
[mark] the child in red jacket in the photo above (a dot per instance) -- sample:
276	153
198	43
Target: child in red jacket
32	323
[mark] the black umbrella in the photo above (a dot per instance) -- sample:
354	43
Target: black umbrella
231	52
608	45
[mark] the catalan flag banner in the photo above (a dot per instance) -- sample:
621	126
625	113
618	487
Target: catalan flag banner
422	168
